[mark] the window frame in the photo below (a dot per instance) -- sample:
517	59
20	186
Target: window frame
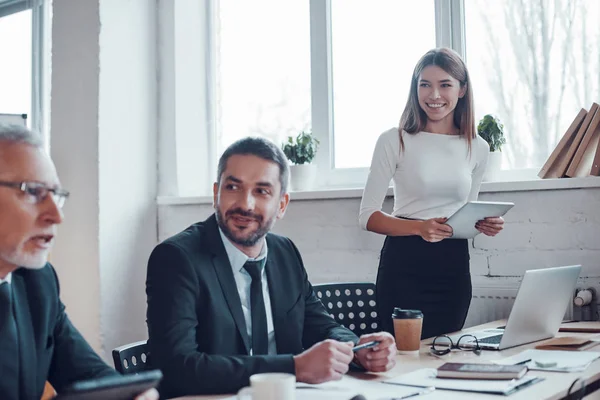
40	68
8	7
176	132
449	27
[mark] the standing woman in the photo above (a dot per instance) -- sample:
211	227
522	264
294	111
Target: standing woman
436	162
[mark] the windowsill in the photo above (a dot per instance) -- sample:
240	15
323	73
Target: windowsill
350	193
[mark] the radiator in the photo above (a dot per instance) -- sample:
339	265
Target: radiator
490	303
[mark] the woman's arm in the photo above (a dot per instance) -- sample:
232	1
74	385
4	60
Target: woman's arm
383	166
386	224
490	226
431	230
371	218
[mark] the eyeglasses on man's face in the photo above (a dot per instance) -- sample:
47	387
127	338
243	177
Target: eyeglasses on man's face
443	345
37	192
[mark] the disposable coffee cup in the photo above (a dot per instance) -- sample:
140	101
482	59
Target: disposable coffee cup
407	330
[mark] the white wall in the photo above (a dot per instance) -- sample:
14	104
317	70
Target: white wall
545	228
103	141
74	148
127	165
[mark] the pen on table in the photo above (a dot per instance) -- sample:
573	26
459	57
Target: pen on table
523	362
365	345
424	391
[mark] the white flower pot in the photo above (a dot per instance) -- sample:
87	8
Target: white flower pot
302	176
494	165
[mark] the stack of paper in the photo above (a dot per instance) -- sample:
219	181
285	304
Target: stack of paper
553	360
428	377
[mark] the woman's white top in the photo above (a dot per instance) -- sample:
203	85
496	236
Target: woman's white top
433	176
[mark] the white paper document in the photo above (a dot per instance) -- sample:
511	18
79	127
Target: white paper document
427	377
553	360
346	388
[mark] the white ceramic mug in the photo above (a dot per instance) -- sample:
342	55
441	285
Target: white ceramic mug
270	386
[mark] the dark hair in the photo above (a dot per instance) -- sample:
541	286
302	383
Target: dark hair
414	119
259	147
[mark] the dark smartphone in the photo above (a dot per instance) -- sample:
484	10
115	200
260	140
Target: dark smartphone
122	387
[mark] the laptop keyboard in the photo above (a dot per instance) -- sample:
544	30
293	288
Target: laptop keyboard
491	339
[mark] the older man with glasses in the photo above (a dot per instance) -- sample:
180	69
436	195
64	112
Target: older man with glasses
38	343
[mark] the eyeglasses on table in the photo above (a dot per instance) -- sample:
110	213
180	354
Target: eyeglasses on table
443	345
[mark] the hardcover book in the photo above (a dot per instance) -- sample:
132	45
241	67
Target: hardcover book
481	371
569	343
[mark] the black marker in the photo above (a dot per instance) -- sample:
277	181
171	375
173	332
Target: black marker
365	345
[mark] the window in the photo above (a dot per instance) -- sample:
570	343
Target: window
375	46
262	69
342	69
25	69
534	64
15	69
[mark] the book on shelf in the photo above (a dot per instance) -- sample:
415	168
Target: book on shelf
596	162
480	371
551	167
581	164
565	161
569	343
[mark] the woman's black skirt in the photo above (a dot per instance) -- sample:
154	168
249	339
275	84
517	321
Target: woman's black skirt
431	277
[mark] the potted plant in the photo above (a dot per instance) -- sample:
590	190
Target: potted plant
301	150
492	131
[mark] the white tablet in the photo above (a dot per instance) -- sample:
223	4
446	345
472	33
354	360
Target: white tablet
463	221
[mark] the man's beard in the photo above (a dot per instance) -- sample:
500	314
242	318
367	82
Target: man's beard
24	260
254	236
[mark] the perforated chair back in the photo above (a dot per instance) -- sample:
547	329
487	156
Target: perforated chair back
351	305
132	358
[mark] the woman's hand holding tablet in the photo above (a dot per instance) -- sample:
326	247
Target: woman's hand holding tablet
478	217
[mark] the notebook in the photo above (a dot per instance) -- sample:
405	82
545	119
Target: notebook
480	371
587	326
427	377
569	343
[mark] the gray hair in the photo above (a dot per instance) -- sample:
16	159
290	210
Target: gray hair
13	133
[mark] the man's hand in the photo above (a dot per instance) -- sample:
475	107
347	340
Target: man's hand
151	394
490	226
380	358
324	361
435	229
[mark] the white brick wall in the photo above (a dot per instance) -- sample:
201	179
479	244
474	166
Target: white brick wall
545	228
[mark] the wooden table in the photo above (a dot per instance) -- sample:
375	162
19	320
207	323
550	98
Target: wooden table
554	387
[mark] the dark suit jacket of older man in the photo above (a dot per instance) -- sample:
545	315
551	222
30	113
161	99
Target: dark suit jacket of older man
50	347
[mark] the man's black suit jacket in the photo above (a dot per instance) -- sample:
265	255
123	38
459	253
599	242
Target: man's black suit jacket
50	348
195	321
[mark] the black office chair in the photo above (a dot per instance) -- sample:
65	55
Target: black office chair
132	358
351	304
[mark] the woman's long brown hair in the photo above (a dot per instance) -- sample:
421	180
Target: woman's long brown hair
414	119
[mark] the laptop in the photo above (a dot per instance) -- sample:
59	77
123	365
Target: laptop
538	311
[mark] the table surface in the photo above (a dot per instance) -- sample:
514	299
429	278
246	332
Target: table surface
554	386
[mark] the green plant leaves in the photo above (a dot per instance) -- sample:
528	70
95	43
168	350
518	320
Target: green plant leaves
302	149
492	131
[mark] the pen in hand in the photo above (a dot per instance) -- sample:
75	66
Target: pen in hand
365	345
